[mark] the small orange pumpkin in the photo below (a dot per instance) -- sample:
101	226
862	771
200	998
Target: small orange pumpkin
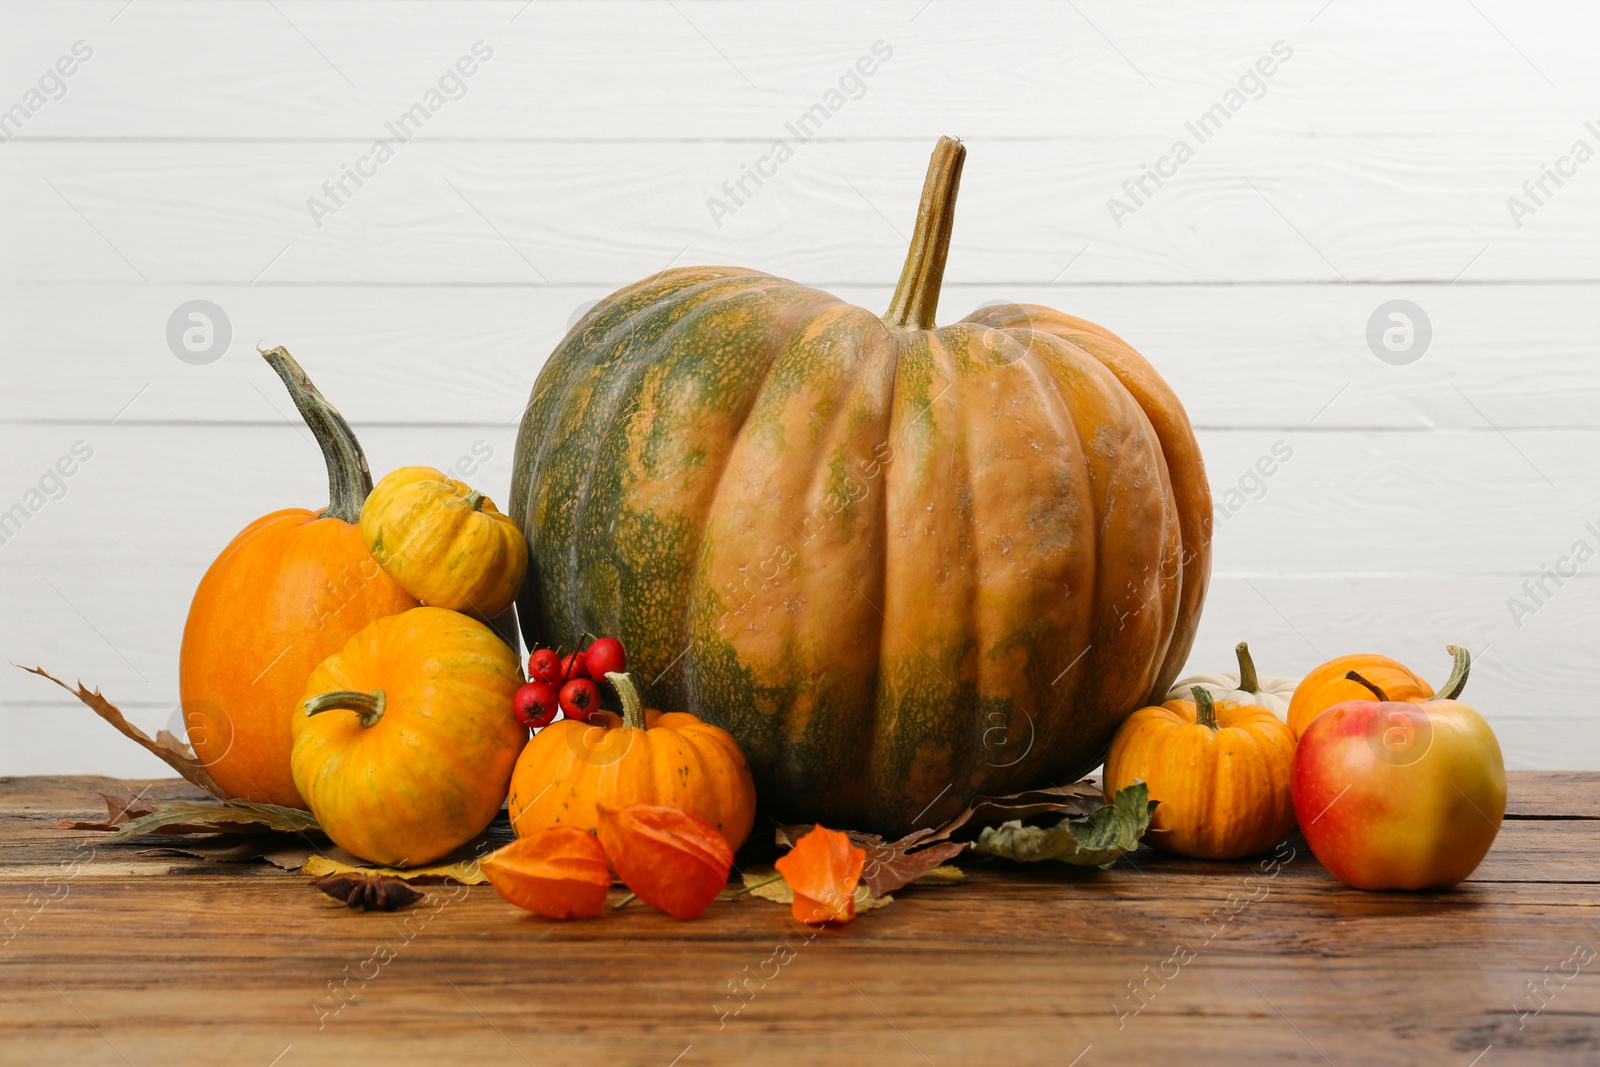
286	593
422	765
443	541
1331	684
1223	773
571	767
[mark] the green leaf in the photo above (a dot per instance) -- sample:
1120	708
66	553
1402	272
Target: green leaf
1098	839
236	817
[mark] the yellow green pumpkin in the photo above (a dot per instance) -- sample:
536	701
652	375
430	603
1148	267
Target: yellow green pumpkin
405	739
444	542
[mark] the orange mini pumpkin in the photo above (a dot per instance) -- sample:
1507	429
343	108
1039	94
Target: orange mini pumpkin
1223	773
1330	684
405	740
285	594
570	768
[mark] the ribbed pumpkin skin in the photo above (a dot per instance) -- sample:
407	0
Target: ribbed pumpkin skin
1327	685
570	768
901	564
421	525
875	556
432	773
1224	793
288	591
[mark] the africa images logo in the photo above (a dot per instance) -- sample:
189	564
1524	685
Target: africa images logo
1251	85
452	85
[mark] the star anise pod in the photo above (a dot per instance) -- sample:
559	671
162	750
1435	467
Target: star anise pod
370	892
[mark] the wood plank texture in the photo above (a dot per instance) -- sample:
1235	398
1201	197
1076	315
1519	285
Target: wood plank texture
584	71
1503	358
154	960
1251	211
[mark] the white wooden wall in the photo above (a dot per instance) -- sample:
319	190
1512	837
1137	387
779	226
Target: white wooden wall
1377	166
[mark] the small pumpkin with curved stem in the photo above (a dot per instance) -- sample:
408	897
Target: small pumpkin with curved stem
286	593
443	541
1223	773
1269	691
405	740
572	767
1331	684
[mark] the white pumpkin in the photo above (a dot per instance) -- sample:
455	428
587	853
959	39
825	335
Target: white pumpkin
1244	687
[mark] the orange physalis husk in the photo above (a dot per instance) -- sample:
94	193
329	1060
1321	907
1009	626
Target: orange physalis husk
823	869
559	872
672	861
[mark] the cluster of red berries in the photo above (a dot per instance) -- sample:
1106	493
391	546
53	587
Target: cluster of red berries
566	683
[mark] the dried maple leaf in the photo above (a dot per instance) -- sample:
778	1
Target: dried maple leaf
889	866
369	892
559	872
893	864
671	860
120	807
823	869
164	746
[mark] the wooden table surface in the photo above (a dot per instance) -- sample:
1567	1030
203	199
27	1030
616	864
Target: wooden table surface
124	958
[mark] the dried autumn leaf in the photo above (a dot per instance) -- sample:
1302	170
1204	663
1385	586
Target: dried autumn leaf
1097	840
893	864
671	860
942	876
890	864
286	853
766	883
467	872
369	892
823	869
120	807
165	746
1076	800
234	817
559	872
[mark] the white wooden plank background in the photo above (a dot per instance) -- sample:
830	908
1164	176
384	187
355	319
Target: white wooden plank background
1376	166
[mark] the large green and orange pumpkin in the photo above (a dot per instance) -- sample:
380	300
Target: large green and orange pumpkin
903	565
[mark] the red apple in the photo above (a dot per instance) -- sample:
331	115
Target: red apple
1394	795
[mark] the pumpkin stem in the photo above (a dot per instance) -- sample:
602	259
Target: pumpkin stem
367	706
1205	712
916	298
475	500
349	479
1247	669
1457	681
632	706
1379	693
